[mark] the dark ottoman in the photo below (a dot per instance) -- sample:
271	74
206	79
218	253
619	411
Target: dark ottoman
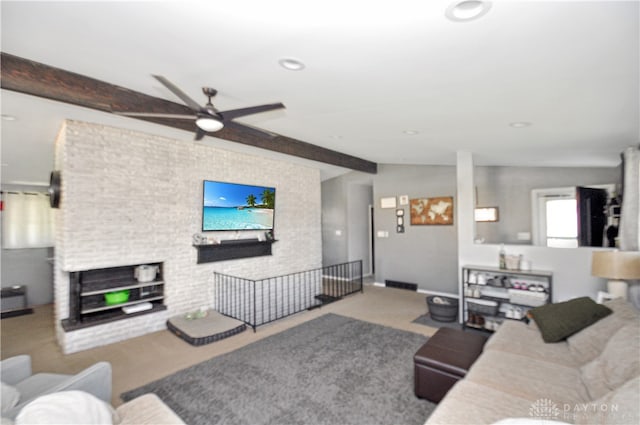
443	360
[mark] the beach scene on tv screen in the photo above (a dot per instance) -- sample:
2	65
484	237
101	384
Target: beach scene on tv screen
231	206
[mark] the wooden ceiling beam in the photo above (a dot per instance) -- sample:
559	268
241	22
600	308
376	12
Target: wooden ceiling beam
37	79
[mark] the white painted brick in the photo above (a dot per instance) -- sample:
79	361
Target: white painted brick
133	198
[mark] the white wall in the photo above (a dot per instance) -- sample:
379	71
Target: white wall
133	198
571	267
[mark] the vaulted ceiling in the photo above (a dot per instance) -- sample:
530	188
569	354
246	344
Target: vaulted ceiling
529	83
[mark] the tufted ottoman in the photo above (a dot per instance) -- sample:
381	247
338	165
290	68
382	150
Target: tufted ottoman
443	360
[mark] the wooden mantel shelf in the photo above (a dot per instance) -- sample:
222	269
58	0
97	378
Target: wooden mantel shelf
233	249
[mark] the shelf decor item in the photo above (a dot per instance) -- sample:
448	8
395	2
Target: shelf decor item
146	273
487	307
116	297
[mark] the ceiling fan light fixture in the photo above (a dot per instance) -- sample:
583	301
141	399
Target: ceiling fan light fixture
209	124
467	10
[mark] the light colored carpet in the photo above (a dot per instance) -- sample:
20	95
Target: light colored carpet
330	370
426	320
144	359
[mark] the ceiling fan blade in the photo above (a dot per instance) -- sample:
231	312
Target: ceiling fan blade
200	133
182	95
235	113
247	129
156	115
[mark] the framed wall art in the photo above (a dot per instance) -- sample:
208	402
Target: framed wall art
389	202
425	211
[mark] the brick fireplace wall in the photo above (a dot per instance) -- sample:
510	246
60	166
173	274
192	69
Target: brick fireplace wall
133	198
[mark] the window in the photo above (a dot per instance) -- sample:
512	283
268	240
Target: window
555	213
561	223
27	220
555	222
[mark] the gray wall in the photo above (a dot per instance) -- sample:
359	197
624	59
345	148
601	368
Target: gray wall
509	188
30	267
425	255
345	219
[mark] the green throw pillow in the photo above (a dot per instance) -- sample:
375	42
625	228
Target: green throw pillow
561	320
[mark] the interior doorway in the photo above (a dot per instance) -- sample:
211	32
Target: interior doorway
372	242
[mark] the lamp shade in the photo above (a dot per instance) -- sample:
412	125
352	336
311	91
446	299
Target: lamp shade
616	264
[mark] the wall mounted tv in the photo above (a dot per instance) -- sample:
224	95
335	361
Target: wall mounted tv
232	206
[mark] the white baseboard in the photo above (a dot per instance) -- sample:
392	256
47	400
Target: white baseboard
442	294
424	291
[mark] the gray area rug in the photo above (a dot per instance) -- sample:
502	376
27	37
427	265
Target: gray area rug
330	370
426	319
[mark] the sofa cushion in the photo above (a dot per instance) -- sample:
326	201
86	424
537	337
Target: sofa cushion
587	344
618	362
529	421
621	406
472	403
39	383
528	378
147	409
519	338
66	407
9	396
561	320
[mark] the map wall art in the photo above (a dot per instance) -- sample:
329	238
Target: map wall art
432	210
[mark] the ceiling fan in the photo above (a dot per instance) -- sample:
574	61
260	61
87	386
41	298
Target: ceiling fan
207	118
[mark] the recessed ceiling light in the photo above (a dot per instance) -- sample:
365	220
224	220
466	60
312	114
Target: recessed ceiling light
467	10
519	124
335	136
411	132
6	117
291	64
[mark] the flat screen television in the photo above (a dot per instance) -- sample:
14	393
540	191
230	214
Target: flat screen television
232	206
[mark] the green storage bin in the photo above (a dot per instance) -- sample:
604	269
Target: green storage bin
116	297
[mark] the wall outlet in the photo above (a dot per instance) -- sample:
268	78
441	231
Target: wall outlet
524	236
382	234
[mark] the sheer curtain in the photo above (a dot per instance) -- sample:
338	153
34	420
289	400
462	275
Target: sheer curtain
27	220
630	217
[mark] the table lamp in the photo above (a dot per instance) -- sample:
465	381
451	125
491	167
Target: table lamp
616	266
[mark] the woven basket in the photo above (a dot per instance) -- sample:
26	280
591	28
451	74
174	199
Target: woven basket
443	312
485	307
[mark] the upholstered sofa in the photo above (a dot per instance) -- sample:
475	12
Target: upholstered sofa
81	398
21	385
593	376
79	407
